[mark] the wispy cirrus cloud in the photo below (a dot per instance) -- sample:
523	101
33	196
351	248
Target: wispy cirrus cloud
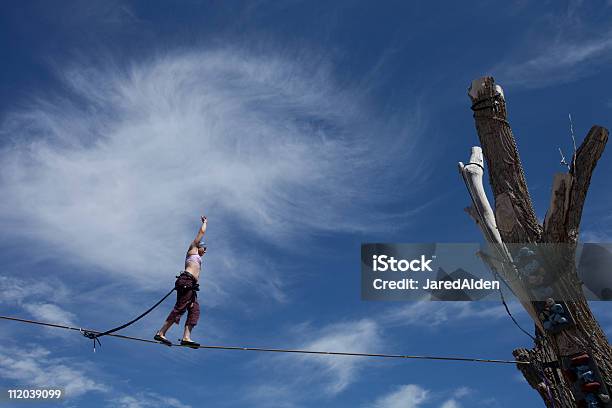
360	336
415	396
113	174
147	400
558	61
564	45
16	290
278	394
294	377
49	312
405	396
34	366
434	314
595	236
451	403
42	299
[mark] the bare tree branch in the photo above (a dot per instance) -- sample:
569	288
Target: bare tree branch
570	189
584	162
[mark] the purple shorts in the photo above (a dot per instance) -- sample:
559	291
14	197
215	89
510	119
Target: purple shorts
186	300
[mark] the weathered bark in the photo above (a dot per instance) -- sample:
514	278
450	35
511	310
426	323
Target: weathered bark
569	196
517	223
513	210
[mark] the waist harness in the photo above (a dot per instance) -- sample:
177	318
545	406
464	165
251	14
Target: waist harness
192	284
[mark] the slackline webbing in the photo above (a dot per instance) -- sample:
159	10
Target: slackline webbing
275	350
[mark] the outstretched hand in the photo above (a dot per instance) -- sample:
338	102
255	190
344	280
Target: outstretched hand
204	219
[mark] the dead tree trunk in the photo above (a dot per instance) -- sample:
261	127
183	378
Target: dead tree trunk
516	222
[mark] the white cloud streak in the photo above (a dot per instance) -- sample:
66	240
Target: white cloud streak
16	290
37	297
34	366
563	45
277	395
296	376
562	60
415	396
357	336
114	174
451	403
48	312
405	396
595	236
434	314
148	400
462	392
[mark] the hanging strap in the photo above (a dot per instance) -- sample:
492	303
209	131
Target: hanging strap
95	335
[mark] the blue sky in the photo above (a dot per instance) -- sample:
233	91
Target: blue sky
301	129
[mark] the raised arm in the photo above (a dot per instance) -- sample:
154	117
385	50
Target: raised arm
200	234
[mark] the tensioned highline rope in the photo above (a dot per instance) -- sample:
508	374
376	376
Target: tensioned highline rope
275	350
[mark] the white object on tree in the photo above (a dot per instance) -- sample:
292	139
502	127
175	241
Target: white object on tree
482	213
478	85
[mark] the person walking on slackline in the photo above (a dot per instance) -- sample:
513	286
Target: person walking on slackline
186	292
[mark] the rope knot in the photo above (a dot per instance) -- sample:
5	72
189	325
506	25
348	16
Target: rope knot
89	334
93	336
